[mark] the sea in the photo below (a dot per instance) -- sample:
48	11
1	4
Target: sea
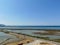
31	27
27	30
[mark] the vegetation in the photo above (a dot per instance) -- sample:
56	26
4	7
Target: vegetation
56	40
6	32
35	36
49	32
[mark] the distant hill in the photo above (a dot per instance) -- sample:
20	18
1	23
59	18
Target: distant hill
2	25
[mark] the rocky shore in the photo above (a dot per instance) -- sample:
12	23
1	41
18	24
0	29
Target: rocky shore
28	40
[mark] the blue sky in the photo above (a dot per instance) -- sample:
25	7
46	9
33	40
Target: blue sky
30	12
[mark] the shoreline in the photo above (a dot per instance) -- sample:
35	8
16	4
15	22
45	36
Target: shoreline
24	38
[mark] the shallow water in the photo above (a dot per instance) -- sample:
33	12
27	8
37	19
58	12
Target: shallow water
4	37
30	32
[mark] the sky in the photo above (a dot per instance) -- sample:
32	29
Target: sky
30	12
